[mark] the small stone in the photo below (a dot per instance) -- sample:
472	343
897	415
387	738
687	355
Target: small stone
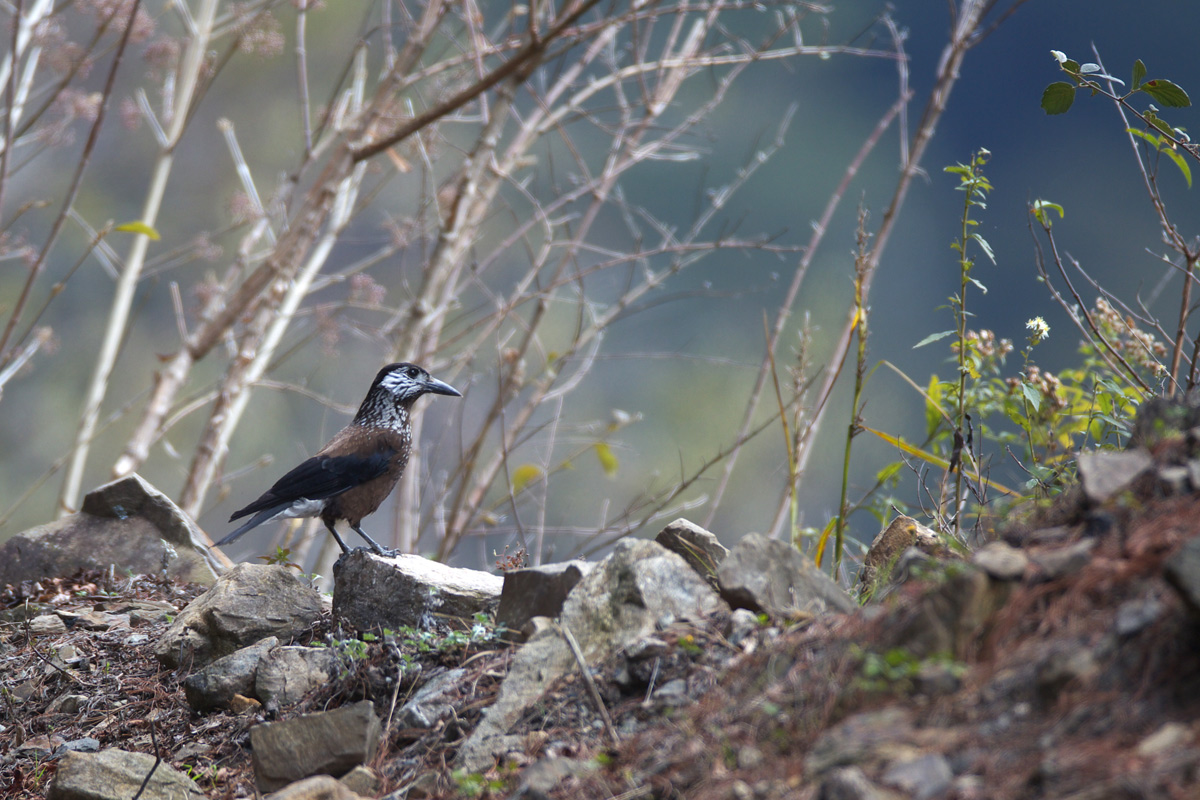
47	625
1063	561
1135	615
647	648
922	778
85	745
362	780
1170	736
1173	480
742	623
1193	468
1001	561
849	783
1104	473
749	758
673	692
68	704
1182	570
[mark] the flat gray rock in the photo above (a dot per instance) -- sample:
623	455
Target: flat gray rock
248	603
116	775
1104	473
326	743
214	686
373	592
128	523
765	575
537	592
286	674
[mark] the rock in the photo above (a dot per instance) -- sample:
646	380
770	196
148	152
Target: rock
850	783
766	575
47	625
216	685
373	592
743	623
67	704
430	705
855	738
328	742
537	592
362	780
1001	561
948	617
1182	571
247	604
639	587
128	523
1171	736
1134	616
85	745
901	533
1105	473
1173	480
920	778
117	774
542	776
318	787
1069	664
286	674
701	549
1062	561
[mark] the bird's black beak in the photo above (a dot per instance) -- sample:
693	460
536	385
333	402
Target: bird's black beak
439	387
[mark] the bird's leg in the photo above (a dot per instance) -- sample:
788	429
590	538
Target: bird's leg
379	550
337	538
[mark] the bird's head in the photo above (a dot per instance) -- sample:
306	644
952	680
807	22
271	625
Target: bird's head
406	382
393	392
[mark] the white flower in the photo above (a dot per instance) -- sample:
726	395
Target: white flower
1039	331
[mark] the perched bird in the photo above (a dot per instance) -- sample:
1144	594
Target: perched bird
351	476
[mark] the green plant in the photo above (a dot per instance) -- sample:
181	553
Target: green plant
895	670
473	784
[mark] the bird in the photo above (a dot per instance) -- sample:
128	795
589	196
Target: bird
357	469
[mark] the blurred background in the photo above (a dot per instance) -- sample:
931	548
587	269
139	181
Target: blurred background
664	386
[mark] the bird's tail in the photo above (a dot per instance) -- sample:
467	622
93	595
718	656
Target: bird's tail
253	522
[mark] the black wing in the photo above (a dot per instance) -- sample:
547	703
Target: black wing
318	478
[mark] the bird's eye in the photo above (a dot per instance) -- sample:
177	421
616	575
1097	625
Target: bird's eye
412	372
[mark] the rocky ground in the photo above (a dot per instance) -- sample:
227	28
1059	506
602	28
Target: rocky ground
1060	660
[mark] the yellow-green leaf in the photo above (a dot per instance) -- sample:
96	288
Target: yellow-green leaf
819	555
525	475
139	227
930	458
607	460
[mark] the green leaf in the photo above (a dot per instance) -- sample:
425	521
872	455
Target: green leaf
525	475
1154	140
1040	208
1032	396
890	471
1174	155
607	460
1058	97
1139	72
139	227
931	338
987	248
1167	93
1071	66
